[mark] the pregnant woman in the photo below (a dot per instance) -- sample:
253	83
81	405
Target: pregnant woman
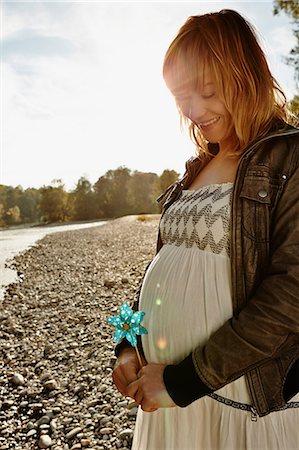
221	358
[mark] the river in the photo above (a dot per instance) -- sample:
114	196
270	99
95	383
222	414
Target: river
15	241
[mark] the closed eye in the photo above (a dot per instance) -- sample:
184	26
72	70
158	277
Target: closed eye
208	96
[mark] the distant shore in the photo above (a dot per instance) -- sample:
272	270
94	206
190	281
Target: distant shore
55	339
49	224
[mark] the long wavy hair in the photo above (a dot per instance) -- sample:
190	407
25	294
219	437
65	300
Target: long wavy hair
227	44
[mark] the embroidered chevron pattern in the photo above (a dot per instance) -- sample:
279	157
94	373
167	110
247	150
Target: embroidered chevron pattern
200	218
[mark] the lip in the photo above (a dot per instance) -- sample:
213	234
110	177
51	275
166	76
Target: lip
209	123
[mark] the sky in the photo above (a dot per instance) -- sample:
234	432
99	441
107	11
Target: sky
82	90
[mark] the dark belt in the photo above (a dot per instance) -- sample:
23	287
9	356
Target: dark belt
246	406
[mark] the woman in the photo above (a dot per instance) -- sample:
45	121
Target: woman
221	295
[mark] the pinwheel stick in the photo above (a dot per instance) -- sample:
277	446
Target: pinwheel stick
138	356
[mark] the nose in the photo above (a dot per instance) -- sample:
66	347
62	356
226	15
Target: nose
196	109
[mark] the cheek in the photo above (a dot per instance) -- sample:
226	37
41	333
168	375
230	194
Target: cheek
185	109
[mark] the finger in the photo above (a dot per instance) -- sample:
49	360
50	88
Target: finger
147	406
118	377
120	382
138	397
132	388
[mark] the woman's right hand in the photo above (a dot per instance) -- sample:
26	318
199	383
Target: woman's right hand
126	369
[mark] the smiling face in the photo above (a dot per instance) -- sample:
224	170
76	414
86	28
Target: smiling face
201	103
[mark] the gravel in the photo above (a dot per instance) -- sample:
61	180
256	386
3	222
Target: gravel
56	348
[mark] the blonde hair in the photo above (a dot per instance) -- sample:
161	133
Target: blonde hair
227	44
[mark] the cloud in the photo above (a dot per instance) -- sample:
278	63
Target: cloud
30	44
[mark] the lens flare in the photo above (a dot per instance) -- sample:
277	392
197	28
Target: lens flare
161	343
158	285
158	302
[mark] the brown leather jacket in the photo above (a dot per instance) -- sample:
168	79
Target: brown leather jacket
262	339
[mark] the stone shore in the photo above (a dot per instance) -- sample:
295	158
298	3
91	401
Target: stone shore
56	349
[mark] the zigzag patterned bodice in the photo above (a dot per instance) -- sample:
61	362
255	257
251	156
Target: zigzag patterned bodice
200	218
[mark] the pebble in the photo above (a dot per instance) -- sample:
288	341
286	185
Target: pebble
50	385
43	420
71	434
44	441
106	430
36	406
31	433
17	380
63	361
127	433
133	411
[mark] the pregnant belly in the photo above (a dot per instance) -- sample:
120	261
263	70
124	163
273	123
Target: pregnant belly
186	296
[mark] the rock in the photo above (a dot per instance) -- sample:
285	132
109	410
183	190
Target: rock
44	441
109	283
50	385
31	433
106	430
30	426
17	380
53	425
71	434
23	405
43	420
36	406
45	377
124	280
125	434
123	403
133	411
6	404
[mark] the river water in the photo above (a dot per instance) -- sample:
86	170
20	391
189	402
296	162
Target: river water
15	241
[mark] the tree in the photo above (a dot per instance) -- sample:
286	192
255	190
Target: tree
83	201
54	202
294	105
102	197
167	178
13	196
13	215
291	8
141	193
2	215
29	205
112	192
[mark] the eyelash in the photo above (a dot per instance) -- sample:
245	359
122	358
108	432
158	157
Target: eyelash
184	99
208	96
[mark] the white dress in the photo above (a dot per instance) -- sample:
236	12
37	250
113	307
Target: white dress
186	296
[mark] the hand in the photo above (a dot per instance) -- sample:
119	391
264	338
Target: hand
149	389
126	369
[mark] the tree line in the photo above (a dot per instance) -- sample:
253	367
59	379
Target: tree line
117	193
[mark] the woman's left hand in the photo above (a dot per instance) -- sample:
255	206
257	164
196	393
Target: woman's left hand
149	390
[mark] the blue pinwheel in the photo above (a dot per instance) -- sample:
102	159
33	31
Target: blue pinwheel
127	324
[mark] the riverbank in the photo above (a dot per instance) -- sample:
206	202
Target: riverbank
50	224
56	350
17	239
